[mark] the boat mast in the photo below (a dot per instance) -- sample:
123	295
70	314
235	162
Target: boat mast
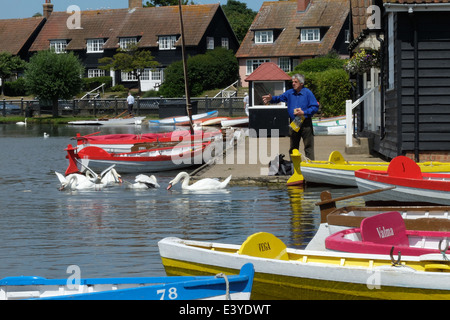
186	82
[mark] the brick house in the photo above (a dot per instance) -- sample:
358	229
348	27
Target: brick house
288	32
100	33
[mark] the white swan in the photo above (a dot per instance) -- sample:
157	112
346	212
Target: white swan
203	184
46	135
109	176
21	122
76	181
143	181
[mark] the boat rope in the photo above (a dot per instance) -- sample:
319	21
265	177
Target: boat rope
227	284
398	261
446	247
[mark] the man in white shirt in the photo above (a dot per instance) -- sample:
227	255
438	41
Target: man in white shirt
130	101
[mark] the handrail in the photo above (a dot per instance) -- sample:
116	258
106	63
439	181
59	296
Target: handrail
222	91
100	86
349	106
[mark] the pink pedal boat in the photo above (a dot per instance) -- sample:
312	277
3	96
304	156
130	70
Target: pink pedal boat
386	233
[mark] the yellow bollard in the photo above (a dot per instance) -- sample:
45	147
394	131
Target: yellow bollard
297	178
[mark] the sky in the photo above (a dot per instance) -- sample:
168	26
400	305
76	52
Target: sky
14	9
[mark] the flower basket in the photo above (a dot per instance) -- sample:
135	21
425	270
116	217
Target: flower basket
362	61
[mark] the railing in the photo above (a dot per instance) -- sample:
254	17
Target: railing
349	106
115	106
225	93
89	93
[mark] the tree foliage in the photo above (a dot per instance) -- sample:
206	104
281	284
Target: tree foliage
239	16
9	64
329	82
131	59
217	68
52	76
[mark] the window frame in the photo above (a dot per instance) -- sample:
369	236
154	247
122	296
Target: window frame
264	37
95	45
59	45
167	42
307	32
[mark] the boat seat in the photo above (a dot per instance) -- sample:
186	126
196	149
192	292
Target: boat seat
264	245
405	167
386	228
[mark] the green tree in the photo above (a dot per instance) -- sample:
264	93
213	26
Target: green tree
217	68
52	76
239	16
9	64
131	59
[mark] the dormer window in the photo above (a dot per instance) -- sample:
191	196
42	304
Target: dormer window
95	45
262	37
167	42
310	35
58	46
125	43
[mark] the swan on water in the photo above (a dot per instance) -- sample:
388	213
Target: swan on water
22	122
143	181
90	180
76	181
203	184
46	135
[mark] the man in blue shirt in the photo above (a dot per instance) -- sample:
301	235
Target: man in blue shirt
300	102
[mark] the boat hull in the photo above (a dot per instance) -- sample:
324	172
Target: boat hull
153	160
309	274
183	120
402	194
109	122
219	287
338	171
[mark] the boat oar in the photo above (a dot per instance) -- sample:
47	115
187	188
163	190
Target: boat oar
327	205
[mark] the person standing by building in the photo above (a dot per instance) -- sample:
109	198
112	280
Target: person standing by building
301	103
246	103
130	102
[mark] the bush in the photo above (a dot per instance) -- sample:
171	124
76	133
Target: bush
118	88
319	64
92	83
15	88
215	69
331	88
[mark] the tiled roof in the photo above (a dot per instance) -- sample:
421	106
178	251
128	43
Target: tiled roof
14	33
268	71
283	16
147	23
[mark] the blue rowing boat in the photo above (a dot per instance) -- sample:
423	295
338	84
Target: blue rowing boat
219	287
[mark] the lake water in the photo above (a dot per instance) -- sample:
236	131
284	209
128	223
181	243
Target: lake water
114	232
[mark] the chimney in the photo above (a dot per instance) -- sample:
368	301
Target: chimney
134	4
48	9
302	4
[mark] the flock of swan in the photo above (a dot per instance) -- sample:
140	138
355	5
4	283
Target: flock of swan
110	177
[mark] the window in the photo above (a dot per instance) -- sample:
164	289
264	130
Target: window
264	37
285	64
58	46
309	35
252	65
156	74
129	76
167	42
93	73
225	43
210	43
95	45
125	43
